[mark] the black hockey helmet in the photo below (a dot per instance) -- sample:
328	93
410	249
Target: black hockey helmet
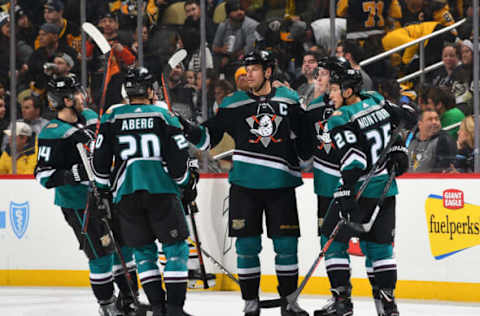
350	78
260	57
137	81
59	88
333	64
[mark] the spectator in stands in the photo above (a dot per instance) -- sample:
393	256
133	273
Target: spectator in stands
241	82
465	144
191	42
26	31
354	54
50	47
68	34
234	38
31	111
446	75
64	64
222	89
181	97
26	151
409	58
431	150
23	50
193	13
4	120
443	101
309	68
191	79
467	59
120	41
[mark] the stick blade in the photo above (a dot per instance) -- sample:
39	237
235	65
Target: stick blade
177	58
97	37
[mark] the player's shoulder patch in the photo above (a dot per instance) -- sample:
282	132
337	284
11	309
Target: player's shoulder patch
235	99
51	125
286	93
337	113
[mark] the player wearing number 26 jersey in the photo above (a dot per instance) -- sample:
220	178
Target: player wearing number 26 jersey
360	130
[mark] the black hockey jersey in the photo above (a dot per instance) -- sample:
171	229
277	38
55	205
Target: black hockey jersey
360	132
363	15
147	149
265	130
57	153
326	170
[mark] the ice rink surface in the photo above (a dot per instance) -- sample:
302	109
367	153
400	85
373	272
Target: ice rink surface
45	301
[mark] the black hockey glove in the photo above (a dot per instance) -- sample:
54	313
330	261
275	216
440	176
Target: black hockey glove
82	136
189	191
192	132
345	202
397	158
76	174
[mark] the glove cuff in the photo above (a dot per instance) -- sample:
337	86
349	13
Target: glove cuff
342	193
76	173
398	148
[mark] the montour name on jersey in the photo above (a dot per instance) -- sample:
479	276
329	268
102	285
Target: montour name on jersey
373	118
138	123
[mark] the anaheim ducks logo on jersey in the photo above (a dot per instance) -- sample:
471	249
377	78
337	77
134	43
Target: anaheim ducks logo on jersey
264	125
323	136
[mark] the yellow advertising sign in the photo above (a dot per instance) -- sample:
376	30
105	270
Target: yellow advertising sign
453	225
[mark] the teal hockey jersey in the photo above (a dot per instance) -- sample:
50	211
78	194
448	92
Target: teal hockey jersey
140	147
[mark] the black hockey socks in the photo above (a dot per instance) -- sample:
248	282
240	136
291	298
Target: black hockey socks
250	288
176	293
155	293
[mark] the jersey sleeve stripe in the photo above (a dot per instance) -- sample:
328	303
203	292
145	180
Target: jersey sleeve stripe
354	158
42	176
205	141
184	179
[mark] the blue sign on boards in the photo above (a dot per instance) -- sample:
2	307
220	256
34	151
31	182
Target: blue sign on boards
19	216
3	223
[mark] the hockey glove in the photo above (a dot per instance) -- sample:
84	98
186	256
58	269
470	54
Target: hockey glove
397	158
192	132
345	202
189	191
82	136
76	174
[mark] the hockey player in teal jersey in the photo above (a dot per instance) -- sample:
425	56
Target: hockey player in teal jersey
360	130
265	124
150	162
60	167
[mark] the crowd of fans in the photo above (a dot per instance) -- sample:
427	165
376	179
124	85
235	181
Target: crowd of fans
296	31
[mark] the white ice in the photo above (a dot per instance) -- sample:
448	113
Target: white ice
61	301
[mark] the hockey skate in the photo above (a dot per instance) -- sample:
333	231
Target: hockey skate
252	308
339	305
195	279
388	302
126	305
109	308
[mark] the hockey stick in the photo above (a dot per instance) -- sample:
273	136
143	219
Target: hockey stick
194	209
173	62
294	295
106	49
91	179
366	227
223	155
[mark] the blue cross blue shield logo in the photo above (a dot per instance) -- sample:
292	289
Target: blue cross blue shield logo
19	216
